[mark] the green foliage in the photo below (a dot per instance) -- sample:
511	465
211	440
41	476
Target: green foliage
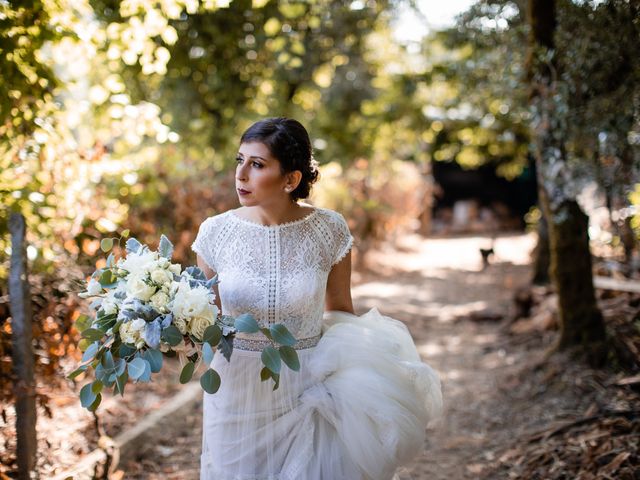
479	112
246	323
187	372
271	359
281	335
210	381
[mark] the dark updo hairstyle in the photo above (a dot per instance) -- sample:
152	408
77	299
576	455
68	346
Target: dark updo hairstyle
289	142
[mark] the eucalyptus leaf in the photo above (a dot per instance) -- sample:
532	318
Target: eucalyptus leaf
146	375
83	344
107	362
120	367
136	367
82	322
87	395
93	334
154	357
96	403
125	233
245	323
121	382
96	386
207	354
126	350
276	379
171	335
212	335
267	333
187	372
290	357
281	334
100	373
76	372
106	278
106	244
210	381
271	359
110	260
265	374
90	352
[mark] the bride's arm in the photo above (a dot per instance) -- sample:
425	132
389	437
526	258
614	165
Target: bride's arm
209	273
339	286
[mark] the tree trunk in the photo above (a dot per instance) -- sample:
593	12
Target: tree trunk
581	323
542	255
23	356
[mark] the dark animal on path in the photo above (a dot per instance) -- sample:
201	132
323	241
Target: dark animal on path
486	252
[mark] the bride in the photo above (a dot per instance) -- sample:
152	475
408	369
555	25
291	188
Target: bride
358	407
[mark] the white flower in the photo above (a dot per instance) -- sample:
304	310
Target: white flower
175	268
138	288
181	324
128	334
108	306
193	302
94	287
159	301
139	263
198	325
161	276
138	324
163	262
140	343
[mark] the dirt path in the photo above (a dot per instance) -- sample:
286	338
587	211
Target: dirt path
433	286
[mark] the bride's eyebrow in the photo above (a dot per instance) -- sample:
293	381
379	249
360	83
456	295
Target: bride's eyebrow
252	156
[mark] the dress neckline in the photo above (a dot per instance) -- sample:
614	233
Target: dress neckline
277	225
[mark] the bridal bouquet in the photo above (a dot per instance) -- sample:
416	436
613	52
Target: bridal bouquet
146	308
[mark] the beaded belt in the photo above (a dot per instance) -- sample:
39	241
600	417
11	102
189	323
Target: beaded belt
257	345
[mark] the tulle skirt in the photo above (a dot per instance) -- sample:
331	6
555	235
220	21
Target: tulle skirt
356	410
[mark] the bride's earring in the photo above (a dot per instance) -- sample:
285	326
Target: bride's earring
287	189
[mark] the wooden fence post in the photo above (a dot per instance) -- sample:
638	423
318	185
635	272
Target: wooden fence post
23	355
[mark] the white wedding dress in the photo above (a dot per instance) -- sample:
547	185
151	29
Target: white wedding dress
358	407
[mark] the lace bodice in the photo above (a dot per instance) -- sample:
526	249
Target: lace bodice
278	273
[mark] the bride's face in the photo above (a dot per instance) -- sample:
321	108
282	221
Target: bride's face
259	180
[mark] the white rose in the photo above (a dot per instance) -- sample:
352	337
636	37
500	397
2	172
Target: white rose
163	262
159	301
198	325
175	268
138	324
139	263
109	307
160	276
181	324
94	287
127	334
193	302
137	287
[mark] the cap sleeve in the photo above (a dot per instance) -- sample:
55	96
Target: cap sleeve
343	240
205	241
